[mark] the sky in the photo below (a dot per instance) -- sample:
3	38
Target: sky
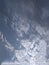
24	32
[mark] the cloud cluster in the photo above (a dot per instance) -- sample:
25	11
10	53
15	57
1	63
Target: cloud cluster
20	25
27	18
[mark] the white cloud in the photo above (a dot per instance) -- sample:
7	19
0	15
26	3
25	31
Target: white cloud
41	59
8	45
23	55
25	43
10	63
1	37
20	54
40	30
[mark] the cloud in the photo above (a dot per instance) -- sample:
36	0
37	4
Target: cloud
45	13
1	37
22	26
31	56
8	45
23	55
25	43
10	63
40	30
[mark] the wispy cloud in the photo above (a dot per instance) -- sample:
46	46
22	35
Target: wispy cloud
45	13
21	26
1	37
7	44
